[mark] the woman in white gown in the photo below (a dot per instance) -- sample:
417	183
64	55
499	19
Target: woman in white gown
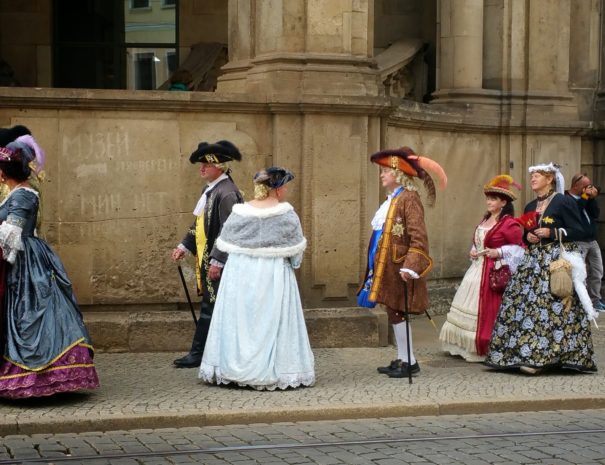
258	336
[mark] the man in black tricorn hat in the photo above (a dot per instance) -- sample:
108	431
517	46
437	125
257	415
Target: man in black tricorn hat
211	211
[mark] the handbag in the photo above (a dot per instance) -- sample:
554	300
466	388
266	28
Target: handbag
561	283
499	276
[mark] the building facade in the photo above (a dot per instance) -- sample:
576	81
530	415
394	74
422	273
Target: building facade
481	86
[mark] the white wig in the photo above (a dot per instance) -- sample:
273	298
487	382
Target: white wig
554	169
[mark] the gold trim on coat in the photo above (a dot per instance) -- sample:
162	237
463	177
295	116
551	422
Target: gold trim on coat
383	250
425	255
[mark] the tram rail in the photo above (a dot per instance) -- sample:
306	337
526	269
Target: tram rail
307	445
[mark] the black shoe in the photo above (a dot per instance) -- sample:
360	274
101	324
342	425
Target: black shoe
194	357
402	371
188	361
388	369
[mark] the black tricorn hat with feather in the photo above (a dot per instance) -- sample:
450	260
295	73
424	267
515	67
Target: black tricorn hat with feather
220	152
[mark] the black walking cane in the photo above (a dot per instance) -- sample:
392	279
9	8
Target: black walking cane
187	294
406	313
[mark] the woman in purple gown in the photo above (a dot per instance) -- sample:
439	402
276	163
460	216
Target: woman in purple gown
45	345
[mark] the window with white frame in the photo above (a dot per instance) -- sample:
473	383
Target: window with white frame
139	4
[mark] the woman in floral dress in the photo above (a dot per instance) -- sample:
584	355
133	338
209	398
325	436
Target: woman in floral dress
535	329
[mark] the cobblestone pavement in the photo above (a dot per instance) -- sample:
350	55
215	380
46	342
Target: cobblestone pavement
145	391
516	439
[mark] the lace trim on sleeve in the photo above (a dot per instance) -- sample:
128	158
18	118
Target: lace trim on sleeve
513	256
10	237
184	249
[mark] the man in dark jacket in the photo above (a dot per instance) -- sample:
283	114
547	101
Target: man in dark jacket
211	211
585	195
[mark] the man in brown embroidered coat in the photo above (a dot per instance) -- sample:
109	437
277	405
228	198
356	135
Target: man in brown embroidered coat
404	245
402	254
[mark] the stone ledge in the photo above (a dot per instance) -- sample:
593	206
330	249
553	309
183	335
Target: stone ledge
169	331
222	417
161	329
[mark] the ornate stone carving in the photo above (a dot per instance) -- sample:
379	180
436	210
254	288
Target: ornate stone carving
403	71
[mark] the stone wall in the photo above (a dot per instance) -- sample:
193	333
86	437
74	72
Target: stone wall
120	189
516	83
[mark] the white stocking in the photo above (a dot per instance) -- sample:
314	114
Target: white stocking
402	347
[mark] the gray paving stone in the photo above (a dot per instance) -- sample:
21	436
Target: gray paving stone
346	378
327	460
390	461
24	453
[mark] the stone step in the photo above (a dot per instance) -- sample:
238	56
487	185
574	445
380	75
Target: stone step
140	330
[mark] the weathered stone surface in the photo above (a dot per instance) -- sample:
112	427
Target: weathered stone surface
108	330
343	327
161	331
301	91
127	329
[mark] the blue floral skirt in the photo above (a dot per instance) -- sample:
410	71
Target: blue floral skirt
533	328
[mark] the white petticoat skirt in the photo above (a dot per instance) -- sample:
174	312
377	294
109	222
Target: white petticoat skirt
459	330
258	336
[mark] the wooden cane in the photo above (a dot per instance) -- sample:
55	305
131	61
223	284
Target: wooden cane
406	313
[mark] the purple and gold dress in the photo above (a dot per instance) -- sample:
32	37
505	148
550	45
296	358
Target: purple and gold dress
45	346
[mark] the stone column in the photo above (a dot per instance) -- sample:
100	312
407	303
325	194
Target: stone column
460	46
599	115
548	47
311	61
584	54
300	46
525	65
547	97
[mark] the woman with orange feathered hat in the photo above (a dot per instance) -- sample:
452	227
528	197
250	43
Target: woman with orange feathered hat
497	244
398	254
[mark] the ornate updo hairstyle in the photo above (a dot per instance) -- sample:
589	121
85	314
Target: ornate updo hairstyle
270	179
14	161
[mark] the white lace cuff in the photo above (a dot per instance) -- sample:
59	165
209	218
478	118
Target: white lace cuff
214	262
513	256
10	238
412	273
184	249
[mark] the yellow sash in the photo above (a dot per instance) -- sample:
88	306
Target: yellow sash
200	246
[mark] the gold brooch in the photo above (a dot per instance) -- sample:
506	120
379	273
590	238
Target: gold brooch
398	230
548	220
